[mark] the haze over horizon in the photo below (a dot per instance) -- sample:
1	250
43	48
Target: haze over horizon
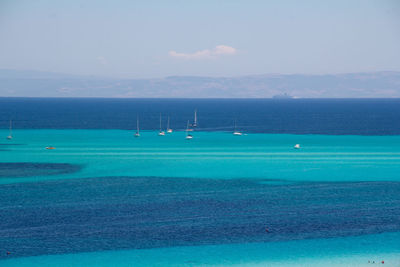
152	39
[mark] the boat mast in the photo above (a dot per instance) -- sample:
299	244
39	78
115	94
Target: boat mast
195	118
160	122
168	124
10	127
137	124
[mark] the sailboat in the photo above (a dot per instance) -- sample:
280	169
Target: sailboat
137	134
236	132
9	137
161	133
188	135
169	130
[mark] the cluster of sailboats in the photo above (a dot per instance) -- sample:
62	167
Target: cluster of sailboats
189	127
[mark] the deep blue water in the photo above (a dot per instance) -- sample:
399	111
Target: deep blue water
109	213
27	169
124	204
297	116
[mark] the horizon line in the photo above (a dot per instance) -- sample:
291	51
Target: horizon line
197	76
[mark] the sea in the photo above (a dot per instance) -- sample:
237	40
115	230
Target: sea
103	197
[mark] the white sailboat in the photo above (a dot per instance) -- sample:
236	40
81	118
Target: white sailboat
236	132
161	133
188	135
137	134
9	137
296	146
169	130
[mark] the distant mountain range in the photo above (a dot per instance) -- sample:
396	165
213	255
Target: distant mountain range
15	83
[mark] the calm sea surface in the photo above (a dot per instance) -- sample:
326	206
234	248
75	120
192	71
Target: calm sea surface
103	197
296	116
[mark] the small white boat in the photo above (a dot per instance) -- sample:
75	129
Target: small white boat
236	132
9	137
169	130
137	134
188	135
297	146
161	133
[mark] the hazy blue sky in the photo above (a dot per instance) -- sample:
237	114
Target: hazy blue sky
142	39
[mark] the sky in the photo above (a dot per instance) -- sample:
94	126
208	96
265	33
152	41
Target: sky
151	39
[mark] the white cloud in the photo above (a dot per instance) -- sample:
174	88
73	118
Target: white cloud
219	50
224	50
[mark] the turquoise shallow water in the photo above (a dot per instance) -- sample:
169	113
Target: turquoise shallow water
267	161
351	251
209	155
